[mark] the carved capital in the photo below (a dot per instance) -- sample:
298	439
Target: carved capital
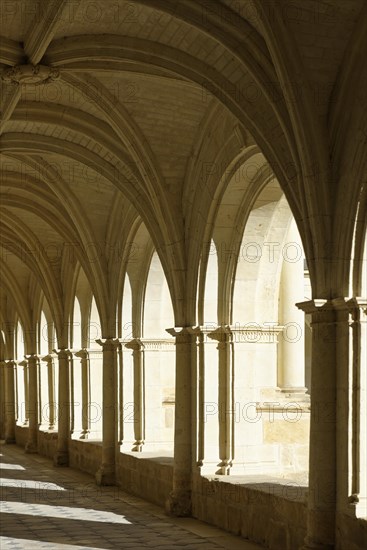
32	360
183	335
82	354
63	354
136	345
109	344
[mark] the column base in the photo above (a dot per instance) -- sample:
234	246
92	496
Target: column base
292	391
31	448
61	458
179	504
106	475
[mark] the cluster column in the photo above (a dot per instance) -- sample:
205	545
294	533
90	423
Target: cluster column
352	407
137	348
10	413
106	474
33	368
83	355
49	360
2	399
226	408
338	416
61	458
359	485
322	461
179	501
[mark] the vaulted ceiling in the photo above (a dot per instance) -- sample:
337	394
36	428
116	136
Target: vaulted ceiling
116	113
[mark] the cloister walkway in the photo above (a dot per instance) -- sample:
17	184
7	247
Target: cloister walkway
62	508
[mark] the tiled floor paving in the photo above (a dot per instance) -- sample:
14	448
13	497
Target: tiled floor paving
61	508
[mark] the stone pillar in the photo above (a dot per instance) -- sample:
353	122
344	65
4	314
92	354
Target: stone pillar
198	382
120	385
361	419
51	391
225	397
26	391
352	410
208	399
61	458
139	392
291	369
83	355
33	367
24	364
106	474
2	399
322	465
179	501
10	415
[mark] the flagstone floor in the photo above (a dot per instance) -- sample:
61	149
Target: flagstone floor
43	507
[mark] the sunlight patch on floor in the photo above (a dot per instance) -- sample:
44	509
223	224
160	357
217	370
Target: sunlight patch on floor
22	544
4	466
63	512
30	484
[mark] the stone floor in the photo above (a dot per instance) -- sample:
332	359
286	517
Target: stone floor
62	508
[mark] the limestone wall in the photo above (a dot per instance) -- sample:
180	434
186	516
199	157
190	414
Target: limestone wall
85	455
47	443
149	478
21	435
271	514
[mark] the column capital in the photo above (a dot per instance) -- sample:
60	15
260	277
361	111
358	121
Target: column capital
23	363
315	305
135	344
31	358
48	358
63	353
108	344
82	353
10	363
183	334
176	331
222	334
321	306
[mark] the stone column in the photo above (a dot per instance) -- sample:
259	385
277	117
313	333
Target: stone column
2	399
225	397
322	465
198	383
120	385
24	364
33	367
106	474
352	411
51	391
361	419
291	370
139	392
208	399
83	355
61	458
179	501
10	416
